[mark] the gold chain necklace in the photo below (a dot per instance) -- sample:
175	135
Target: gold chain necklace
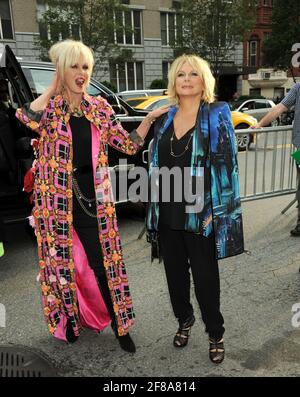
76	112
186	146
81	197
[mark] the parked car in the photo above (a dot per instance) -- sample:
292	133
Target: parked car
16	155
257	108
240	120
148	103
141	93
287	118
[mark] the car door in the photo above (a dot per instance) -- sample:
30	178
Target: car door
248	107
15	75
16	139
261	108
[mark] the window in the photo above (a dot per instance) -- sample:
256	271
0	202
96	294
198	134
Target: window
261	104
128	27
267	35
165	69
253	53
168	27
255	92
6	31
248	106
158	104
40	79
52	32
127	76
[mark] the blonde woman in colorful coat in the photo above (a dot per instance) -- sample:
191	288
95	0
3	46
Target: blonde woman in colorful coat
82	272
196	136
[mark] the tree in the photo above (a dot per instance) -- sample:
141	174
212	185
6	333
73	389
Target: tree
277	48
92	21
212	28
158	83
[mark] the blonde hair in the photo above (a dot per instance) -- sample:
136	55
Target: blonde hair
66	53
201	67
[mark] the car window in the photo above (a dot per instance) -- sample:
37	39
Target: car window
38	79
260	105
95	91
157	104
135	102
248	105
235	104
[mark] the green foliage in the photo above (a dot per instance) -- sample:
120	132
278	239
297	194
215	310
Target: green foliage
91	21
246	97
212	28
285	32
109	85
158	83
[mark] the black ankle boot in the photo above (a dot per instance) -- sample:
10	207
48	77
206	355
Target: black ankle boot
71	338
125	341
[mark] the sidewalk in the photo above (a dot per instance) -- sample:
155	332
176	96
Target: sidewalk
257	294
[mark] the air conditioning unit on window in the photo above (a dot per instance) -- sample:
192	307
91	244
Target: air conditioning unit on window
266	75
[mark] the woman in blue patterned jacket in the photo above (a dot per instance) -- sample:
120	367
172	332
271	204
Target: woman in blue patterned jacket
197	216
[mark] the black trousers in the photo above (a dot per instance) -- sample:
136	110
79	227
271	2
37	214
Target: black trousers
181	252
88	235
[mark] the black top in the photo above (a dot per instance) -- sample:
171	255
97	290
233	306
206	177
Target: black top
83	169
173	213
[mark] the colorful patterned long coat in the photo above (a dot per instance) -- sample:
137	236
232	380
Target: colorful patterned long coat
69	288
224	217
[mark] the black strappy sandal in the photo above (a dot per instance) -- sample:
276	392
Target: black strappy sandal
184	331
216	350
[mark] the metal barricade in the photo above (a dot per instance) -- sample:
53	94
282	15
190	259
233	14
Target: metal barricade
266	167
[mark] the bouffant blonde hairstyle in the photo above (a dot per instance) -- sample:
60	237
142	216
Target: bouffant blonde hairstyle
66	53
201	67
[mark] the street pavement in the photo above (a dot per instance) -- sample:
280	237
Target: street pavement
258	291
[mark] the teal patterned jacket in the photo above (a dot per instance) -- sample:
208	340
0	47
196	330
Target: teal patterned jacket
223	200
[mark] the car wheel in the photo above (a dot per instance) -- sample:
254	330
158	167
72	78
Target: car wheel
243	141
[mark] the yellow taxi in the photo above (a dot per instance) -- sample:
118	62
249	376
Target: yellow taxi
240	120
148	103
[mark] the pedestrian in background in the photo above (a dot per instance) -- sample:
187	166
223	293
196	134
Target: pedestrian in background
197	134
291	99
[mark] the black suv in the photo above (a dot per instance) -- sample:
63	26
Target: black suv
26	80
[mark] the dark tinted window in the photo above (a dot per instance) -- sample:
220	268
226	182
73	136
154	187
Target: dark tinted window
249	105
157	104
40	79
261	105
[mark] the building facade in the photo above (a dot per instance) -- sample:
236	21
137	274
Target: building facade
18	27
154	28
267	82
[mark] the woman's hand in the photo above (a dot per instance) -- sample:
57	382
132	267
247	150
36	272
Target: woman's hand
56	86
41	102
145	125
152	116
